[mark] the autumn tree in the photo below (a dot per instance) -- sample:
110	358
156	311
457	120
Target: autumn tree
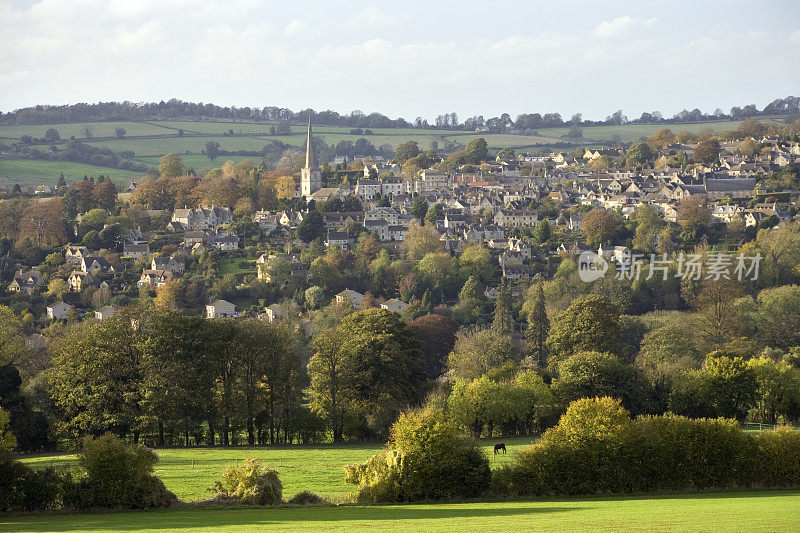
476	151
541	232
661	138
406	151
638	154
475	260
171	166
11	213
478	351
421	240
694	215
747	148
599	226
648	225
104	195
706	152
52	135
269	360
780	249
602	163
168	295
312	227
285	187
43	223
727	385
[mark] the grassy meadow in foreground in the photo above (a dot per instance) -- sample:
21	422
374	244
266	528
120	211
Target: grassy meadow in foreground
732	511
318	468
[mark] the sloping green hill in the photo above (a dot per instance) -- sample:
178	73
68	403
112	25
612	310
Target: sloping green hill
150	140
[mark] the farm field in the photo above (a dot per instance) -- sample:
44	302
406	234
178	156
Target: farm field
197	162
720	511
31	173
318	468
151	140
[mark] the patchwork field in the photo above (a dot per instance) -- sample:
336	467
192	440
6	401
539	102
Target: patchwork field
731	511
151	140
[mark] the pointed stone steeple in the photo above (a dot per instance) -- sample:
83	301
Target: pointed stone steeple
311	158
310	175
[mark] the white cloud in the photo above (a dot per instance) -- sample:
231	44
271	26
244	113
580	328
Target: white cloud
246	52
621	25
295	26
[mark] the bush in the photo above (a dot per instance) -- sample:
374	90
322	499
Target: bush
118	475
25	489
778	454
250	484
307	498
427	459
597	448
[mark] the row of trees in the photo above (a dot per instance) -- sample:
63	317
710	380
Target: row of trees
163	375
82	112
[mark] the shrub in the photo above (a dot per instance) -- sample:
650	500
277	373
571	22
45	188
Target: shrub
307	498
118	475
25	489
250	484
778	455
597	448
7	439
427	459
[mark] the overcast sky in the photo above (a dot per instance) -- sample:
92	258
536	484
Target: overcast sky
409	58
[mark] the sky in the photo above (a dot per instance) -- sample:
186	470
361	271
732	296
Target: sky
409	59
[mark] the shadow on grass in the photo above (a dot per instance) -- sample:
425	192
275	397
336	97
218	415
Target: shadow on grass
247	517
769	492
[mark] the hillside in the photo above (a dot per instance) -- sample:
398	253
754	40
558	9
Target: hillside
148	141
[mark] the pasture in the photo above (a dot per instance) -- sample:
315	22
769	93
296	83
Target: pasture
188	472
750	511
150	140
31	173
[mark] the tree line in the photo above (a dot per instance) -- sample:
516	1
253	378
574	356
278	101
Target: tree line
177	109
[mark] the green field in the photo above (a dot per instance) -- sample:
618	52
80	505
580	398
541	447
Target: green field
151	140
29	173
318	468
732	511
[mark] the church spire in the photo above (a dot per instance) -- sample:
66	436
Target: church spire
311	159
310	175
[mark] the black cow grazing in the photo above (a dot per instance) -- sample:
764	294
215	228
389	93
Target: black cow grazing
498	447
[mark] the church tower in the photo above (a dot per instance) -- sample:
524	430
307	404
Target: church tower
310	175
